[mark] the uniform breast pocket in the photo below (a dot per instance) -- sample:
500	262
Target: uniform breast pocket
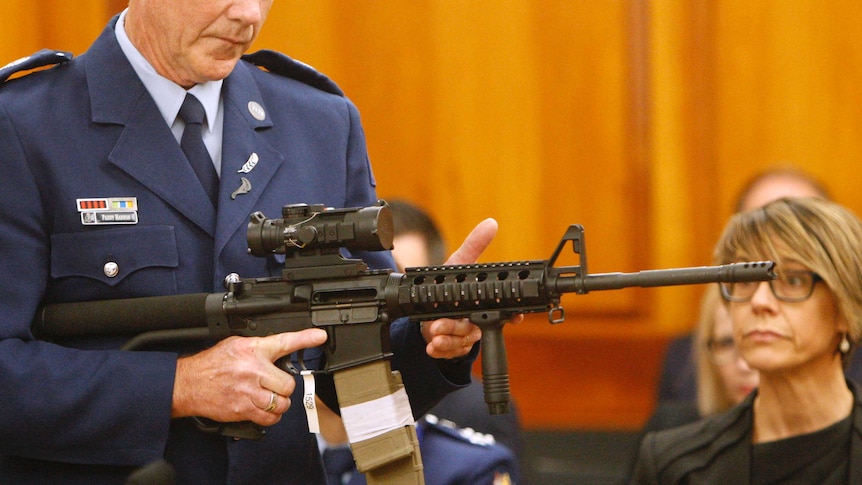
114	263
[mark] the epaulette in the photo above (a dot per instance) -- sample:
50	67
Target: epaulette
464	434
44	57
281	64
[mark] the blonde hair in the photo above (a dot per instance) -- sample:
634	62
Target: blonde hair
824	236
712	395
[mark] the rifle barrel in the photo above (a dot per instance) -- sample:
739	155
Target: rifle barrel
734	272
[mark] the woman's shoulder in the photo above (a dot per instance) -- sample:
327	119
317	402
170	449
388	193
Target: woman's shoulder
671	414
677	451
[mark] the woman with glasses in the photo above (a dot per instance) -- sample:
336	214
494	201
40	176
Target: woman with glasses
803	424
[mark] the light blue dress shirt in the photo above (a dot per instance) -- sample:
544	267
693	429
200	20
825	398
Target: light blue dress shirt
169	96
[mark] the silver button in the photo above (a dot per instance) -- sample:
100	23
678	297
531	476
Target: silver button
111	269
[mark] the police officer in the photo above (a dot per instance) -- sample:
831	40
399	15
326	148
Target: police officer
104	196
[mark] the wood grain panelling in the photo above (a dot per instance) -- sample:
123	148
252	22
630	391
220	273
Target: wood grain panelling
638	120
535	113
28	26
20	29
788	77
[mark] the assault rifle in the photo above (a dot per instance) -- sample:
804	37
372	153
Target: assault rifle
321	288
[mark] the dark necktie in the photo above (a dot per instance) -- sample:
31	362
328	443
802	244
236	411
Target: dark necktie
192	112
337	462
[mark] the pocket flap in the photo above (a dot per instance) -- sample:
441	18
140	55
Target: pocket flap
110	255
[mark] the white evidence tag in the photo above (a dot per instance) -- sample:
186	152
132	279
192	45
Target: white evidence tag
308	401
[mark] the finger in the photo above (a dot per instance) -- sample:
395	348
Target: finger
462	343
269	402
279	382
281	344
457	328
269	415
475	243
450	348
268	407
452	338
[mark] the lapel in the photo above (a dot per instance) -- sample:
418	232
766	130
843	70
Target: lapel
710	450
244	140
733	445
145	153
145	149
732	454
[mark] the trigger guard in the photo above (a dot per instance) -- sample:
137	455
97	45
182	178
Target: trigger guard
286	364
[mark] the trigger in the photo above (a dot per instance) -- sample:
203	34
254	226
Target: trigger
286	365
300	357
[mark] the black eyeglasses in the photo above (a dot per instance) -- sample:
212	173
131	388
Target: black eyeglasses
791	285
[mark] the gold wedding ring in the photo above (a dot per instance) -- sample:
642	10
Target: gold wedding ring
273	402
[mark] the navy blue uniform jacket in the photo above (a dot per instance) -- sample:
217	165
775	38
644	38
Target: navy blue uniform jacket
82	412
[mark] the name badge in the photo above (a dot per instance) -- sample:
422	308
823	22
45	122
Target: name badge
108	210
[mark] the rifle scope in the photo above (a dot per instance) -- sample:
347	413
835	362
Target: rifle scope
309	227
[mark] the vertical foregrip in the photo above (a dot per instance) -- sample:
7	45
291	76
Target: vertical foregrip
495	366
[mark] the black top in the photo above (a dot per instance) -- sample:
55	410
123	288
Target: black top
718	449
820	457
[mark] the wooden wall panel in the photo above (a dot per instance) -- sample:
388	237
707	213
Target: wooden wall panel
20	30
535	113
788	75
28	26
499	107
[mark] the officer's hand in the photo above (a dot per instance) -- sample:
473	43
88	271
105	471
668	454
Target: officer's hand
236	380
448	338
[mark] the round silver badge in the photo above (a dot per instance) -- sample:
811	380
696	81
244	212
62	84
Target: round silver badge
256	110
